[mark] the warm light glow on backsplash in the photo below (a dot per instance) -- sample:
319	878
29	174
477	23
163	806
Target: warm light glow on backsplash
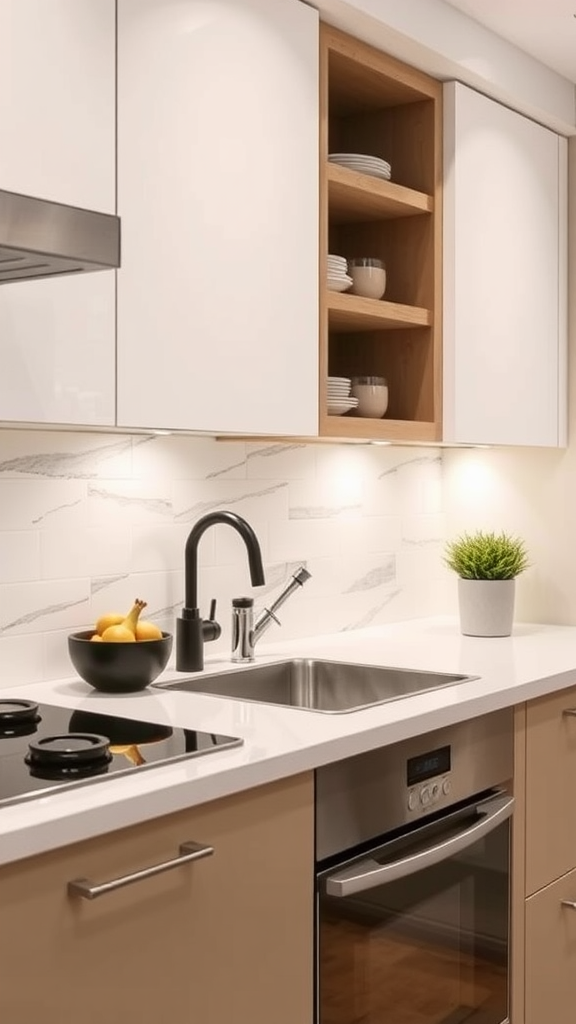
473	482
341	475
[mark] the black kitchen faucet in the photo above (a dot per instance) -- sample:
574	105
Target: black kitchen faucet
192	631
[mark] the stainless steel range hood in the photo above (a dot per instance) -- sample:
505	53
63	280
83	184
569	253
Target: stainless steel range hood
39	238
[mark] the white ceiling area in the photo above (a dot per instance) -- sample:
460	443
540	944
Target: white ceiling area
546	29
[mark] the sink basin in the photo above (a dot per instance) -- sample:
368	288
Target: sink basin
316	685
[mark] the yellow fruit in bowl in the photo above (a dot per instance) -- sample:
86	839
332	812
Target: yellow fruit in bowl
110	619
96	637
148	631
126	629
124	632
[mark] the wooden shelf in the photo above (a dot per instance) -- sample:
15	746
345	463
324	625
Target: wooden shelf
359	428
355	313
356	197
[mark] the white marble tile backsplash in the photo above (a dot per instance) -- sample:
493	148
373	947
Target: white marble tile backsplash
88	522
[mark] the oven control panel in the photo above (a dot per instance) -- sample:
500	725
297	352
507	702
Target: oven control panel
427	796
363	797
428	778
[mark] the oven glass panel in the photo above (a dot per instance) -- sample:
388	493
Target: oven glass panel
430	948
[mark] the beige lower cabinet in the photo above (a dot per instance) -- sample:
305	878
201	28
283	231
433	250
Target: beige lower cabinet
550	774
551	953
544	862
224	940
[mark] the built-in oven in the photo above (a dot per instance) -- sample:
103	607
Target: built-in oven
413	880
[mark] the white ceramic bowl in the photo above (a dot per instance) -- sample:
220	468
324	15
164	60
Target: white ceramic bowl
372	397
369	282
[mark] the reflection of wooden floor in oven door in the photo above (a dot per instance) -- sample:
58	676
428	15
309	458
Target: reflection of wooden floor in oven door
372	977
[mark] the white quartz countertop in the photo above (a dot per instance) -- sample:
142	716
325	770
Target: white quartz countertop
278	742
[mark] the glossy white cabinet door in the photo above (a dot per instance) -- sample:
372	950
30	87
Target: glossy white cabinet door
57	131
505	300
57	100
58	350
218	195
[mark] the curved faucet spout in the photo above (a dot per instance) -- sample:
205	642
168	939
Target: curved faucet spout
191	552
192	631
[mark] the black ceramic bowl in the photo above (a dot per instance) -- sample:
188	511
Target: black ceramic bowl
119	668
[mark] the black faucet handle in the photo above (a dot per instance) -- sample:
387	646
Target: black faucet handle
211	629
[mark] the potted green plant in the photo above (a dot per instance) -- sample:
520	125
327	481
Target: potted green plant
487	565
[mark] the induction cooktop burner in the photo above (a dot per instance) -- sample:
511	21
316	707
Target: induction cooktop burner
18	717
43	747
74	755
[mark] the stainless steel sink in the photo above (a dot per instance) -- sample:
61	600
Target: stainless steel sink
315	685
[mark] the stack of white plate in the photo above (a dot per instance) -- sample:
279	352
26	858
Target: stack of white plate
338	277
363	163
339	401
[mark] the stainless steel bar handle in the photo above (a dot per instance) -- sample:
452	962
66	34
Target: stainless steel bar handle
570	712
368	874
571	904
87	890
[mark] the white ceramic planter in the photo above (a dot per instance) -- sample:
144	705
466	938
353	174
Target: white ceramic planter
486	607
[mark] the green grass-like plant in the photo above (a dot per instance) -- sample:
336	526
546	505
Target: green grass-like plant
486	556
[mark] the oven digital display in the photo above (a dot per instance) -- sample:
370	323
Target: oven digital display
426	766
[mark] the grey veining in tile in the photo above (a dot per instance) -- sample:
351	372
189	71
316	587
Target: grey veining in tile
170	611
377	577
321	511
66	465
40	613
52	511
271	450
202	507
226	469
102	582
421	460
278	574
161	506
372	613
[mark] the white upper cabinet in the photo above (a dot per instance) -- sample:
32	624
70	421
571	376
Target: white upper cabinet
57	131
505	255
57	98
218	195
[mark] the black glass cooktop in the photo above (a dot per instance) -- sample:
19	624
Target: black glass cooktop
43	747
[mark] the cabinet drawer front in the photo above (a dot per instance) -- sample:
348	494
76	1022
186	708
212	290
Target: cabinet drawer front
225	938
550	777
551	953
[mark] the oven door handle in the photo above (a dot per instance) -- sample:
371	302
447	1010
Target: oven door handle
368	874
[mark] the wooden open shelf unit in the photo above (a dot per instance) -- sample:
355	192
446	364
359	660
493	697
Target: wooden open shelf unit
371	103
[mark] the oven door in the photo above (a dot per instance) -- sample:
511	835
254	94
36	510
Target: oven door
416	931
